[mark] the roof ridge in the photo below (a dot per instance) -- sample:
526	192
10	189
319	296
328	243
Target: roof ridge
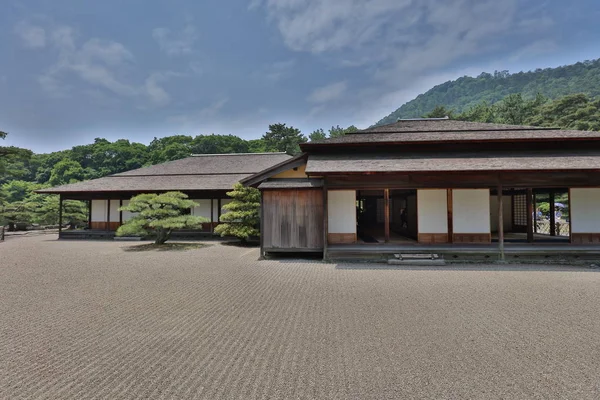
238	154
533	128
183	174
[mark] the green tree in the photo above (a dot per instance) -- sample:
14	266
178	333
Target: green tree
318	134
66	171
337	131
242	218
439	112
159	215
283	138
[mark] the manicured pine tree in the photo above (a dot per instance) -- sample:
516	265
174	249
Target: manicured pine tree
159	215
242	218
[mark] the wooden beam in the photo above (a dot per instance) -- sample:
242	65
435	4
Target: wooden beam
500	223
386	211
108	215
262	225
570	217
450	216
529	215
325	220
60	214
552	214
90	214
212	215
218	210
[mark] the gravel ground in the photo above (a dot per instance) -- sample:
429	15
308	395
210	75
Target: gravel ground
91	320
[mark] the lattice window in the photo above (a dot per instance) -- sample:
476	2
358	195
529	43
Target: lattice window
520	210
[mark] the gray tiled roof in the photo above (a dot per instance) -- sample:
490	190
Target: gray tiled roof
444	130
205	172
440	162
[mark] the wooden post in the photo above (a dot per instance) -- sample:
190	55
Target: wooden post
262	224
120	212
108	215
325	220
552	214
90	214
386	211
60	214
218	210
530	215
535	214
212	217
449	205
500	223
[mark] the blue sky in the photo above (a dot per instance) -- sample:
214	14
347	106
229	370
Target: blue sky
72	70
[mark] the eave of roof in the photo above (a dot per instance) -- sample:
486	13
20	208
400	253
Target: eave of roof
458	162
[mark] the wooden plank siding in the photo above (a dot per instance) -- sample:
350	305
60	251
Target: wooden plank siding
293	220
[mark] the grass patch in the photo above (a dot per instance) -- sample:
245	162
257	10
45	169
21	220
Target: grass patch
166	247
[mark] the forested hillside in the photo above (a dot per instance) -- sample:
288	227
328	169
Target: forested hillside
466	92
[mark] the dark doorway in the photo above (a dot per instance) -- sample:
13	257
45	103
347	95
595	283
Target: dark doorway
371	216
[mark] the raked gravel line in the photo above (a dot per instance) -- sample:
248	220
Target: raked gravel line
90	320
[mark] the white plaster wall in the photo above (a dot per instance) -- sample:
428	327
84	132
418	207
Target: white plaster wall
585	210
202	209
114	211
341	211
432	206
471	211
99	210
506	213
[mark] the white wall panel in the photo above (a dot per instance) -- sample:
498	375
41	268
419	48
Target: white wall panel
99	208
471	210
432	207
114	211
202	209
585	210
341	211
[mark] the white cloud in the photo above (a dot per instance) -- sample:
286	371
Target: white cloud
328	93
279	70
213	109
32	36
397	42
175	44
102	64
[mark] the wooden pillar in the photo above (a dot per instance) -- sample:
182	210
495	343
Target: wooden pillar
530	215
450	218
218	210
108	215
500	223
552	214
386	211
60	214
262	224
535	214
325	221
120	212
212	216
89	214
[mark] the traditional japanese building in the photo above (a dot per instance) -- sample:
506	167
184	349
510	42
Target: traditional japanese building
436	184
204	178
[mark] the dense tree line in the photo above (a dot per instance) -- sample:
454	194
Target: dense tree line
467	92
22	171
576	111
